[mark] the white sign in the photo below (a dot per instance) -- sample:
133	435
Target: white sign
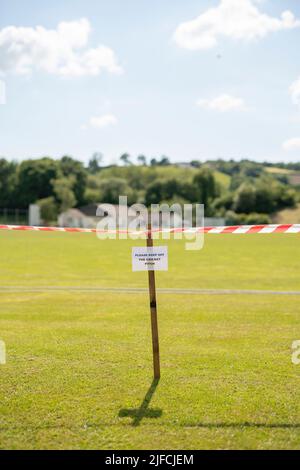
150	258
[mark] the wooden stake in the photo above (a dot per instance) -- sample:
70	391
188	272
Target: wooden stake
153	311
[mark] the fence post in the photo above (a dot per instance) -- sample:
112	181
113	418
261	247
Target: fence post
153	312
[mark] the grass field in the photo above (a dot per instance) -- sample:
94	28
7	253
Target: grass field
79	366
286	215
278	171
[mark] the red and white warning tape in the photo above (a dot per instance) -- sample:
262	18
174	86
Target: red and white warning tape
237	229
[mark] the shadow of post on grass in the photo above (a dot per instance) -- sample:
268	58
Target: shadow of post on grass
137	414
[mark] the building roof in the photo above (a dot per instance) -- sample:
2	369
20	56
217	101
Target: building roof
76	213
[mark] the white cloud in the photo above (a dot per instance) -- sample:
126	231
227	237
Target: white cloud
292	144
100	122
62	51
295	91
223	103
236	19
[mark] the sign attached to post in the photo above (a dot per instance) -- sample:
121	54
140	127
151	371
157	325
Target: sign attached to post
150	258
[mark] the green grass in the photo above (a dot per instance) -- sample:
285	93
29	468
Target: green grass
79	363
278	171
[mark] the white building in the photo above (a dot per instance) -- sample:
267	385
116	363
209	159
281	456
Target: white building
116	216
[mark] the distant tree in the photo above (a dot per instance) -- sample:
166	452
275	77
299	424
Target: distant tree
154	193
111	188
125	159
153	162
187	191
135	177
232	218
63	190
142	159
34	180
91	195
164	161
285	197
205	188
245	199
253	170
223	202
195	164
236	181
92	192
282	178
8	184
48	209
230	167
94	165
75	168
168	190
265	200
257	219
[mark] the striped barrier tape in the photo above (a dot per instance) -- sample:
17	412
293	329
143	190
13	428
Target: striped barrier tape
237	229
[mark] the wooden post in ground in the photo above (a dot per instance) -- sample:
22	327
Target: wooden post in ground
153	311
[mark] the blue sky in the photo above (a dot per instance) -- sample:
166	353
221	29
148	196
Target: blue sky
165	83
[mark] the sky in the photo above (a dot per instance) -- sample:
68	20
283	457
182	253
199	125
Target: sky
189	79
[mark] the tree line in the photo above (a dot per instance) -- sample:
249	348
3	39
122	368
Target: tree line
242	192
